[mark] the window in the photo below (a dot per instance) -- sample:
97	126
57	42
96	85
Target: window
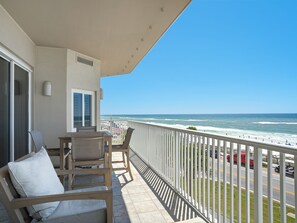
83	108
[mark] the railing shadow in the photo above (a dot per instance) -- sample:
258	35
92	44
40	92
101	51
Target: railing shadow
178	208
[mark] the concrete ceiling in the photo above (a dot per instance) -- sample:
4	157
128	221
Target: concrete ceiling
117	32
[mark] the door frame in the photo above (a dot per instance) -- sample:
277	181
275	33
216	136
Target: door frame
14	60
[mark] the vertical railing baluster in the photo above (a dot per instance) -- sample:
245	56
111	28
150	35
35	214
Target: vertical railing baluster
283	216
238	182
203	175
225	184
258	192
195	166
188	157
247	183
219	181
199	156
213	172
231	182
171	157
270	189
182	162
177	160
192	170
166	157
148	151
208	177
184	165
295	186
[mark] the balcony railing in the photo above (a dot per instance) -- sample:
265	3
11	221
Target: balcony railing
195	164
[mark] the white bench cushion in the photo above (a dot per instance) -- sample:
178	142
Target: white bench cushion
87	211
36	176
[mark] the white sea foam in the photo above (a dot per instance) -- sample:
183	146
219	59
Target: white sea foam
276	123
276	138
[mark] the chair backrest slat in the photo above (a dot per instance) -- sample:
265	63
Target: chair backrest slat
127	138
86	129
87	147
37	140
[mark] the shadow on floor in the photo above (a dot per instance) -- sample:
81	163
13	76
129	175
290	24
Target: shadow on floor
178	208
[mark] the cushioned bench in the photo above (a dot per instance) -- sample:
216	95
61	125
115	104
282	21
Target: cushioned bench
31	191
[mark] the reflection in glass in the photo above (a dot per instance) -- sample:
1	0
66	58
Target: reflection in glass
21	113
88	108
77	109
4	112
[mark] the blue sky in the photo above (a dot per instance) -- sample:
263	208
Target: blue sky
235	56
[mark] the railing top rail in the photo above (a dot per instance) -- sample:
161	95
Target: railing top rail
255	144
114	120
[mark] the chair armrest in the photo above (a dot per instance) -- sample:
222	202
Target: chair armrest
90	195
56	151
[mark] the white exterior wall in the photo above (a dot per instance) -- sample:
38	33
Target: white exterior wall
83	77
13	38
53	114
50	111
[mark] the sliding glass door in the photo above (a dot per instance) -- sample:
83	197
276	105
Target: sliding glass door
14	110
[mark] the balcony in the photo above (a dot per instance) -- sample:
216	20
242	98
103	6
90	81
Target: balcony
146	198
176	178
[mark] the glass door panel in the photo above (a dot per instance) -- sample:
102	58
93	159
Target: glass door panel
21	114
4	112
88	109
77	110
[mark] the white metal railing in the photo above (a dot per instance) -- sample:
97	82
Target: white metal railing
196	165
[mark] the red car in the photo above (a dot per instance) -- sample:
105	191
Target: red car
243	160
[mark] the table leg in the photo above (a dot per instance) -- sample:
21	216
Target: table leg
62	161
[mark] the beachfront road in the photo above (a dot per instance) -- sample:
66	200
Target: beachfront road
275	181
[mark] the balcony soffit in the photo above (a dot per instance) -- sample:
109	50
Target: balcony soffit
118	33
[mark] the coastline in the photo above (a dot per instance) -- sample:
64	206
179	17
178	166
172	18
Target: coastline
278	129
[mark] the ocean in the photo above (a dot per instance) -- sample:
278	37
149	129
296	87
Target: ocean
273	128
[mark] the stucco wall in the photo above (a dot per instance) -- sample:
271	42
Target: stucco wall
50	111
15	39
83	77
52	114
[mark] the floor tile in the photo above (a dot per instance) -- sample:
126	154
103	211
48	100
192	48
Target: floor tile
151	217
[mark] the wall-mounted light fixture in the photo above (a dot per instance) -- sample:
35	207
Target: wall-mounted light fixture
101	94
47	88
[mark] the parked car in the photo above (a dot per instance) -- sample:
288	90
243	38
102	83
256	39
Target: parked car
216	154
289	169
243	159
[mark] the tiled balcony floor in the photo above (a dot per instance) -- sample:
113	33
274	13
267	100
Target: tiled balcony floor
145	199
134	201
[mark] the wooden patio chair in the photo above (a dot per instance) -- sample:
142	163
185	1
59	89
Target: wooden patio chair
38	143
86	129
87	152
82	205
124	149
